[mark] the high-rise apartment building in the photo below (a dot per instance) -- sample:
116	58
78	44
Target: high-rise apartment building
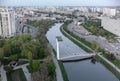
7	22
109	11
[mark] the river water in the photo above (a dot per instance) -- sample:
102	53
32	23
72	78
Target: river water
82	70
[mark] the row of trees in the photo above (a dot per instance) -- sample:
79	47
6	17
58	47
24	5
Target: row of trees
43	51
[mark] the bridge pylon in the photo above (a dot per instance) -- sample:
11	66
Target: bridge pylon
58	39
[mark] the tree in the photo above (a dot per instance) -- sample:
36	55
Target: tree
51	68
2	42
29	55
24	38
111	57
7	49
13	57
95	46
35	65
1	53
8	68
16	46
41	53
24	53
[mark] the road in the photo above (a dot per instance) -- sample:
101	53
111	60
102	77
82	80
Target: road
103	42
3	74
25	28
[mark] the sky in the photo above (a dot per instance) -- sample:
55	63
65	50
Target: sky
59	2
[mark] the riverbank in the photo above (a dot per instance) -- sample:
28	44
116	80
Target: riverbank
111	67
113	70
73	38
64	74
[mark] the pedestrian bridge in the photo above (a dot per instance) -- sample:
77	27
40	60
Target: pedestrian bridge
69	56
77	55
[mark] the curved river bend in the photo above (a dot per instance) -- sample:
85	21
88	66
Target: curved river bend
81	70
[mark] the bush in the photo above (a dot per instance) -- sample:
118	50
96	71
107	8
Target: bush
2	42
8	68
51	68
111	57
13	57
41	53
34	66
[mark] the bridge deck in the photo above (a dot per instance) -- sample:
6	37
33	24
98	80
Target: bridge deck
76	55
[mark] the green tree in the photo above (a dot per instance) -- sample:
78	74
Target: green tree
51	68
13	57
95	46
16	46
35	65
111	57
29	55
41	53
7	49
24	38
24	53
8	69
2	42
1	53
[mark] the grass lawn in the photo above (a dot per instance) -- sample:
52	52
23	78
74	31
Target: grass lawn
16	75
117	63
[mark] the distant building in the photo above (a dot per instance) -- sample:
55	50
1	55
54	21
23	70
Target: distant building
7	23
109	11
96	21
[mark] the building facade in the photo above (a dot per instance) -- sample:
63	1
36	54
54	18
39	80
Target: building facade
109	11
7	23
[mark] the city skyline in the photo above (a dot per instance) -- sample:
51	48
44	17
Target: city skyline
59	3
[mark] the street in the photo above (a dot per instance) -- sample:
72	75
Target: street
80	31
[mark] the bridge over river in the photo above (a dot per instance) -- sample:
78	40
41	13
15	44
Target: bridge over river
84	70
72	54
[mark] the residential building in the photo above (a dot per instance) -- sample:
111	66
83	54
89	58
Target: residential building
7	22
109	11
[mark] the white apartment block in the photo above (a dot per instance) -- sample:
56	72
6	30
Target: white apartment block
7	23
109	11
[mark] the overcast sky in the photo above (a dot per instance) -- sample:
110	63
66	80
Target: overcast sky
59	2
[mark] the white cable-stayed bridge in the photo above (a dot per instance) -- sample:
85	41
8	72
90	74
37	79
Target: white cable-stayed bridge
64	51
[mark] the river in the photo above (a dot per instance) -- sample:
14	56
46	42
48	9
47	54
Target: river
82	70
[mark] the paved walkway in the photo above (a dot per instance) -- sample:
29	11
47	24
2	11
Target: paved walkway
58	70
3	74
25	70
